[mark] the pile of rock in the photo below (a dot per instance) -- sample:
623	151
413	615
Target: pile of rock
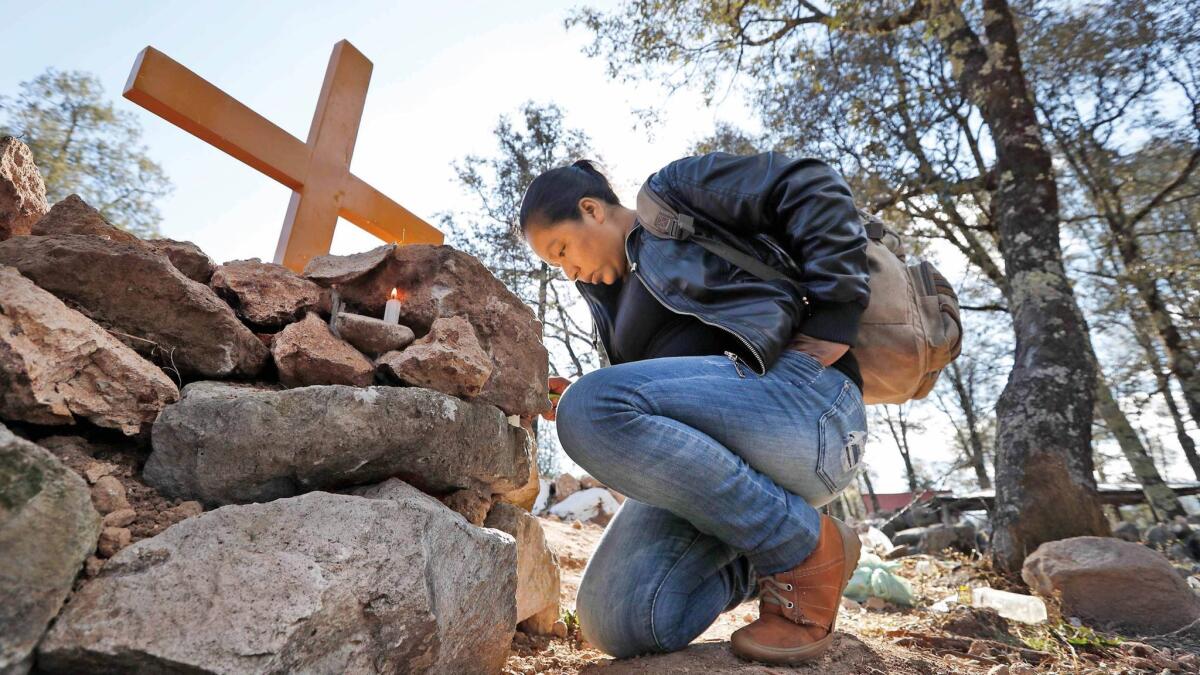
369	482
569	498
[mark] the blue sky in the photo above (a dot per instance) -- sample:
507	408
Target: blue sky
443	73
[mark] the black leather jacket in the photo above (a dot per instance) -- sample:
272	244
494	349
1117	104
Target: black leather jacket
765	201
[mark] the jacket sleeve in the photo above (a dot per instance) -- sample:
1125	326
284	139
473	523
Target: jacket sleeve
805	204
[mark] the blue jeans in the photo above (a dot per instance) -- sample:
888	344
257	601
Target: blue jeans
722	472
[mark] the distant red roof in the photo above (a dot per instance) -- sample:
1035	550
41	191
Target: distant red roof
893	501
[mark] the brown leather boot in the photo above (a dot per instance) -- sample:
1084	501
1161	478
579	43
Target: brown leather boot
798	608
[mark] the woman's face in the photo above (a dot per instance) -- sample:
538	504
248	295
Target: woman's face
591	249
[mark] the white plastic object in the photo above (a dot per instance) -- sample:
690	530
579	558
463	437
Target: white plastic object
1014	606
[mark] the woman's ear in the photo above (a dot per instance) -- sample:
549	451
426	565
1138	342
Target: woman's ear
589	206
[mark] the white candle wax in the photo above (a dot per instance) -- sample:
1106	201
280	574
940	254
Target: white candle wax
391	311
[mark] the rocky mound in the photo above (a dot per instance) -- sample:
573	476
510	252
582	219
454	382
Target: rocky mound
369	480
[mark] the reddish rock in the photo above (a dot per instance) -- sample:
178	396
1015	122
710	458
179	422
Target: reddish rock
440	281
470	504
108	495
448	359
566	485
306	353
22	192
266	295
372	336
1110	582
186	257
75	216
586	482
92	566
120	518
139	295
95	470
57	366
112	540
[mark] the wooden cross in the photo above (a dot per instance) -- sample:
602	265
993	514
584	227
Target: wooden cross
318	171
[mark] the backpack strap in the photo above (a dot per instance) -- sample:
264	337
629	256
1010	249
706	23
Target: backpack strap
663	221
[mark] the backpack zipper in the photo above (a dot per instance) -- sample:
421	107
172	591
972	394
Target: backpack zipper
762	369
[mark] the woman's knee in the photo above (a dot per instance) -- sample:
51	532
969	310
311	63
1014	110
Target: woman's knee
613	619
580	415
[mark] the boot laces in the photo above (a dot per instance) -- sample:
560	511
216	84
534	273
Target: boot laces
772	592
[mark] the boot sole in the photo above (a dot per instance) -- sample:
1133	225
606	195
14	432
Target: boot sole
851	548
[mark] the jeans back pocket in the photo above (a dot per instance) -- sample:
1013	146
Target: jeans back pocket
842	436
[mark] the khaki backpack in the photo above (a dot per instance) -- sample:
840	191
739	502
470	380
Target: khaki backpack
911	328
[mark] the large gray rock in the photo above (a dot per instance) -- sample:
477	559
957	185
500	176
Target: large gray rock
440	281
933	539
321	583
225	444
1113	583
22	191
537	566
267	295
57	366
47	528
130	289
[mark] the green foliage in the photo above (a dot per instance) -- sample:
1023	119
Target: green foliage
84	146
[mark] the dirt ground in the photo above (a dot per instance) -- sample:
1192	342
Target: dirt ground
885	640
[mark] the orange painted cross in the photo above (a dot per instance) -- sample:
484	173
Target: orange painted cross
318	171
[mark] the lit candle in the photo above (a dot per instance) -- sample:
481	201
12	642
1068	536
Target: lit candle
391	311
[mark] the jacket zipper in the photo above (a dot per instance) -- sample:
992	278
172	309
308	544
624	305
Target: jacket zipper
733	357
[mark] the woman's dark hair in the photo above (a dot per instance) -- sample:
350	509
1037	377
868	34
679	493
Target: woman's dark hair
554	195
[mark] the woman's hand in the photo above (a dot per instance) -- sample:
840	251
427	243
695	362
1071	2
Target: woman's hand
822	350
557	386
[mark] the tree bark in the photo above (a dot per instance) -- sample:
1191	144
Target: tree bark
1045	489
899	429
870	490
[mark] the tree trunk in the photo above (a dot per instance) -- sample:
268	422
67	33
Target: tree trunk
1162	499
899	429
1044	484
1164	385
870	490
966	401
1180	360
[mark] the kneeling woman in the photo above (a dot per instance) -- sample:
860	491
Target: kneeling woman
733	409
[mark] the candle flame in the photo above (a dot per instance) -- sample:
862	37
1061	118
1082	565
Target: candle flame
393	295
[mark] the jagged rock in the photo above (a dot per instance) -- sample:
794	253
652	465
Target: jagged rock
1158	535
448	359
129	289
47	529
537	566
267	295
306	353
323	582
1109	582
22	191
324	437
75	216
566	485
187	257
587	482
372	336
56	365
439	281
